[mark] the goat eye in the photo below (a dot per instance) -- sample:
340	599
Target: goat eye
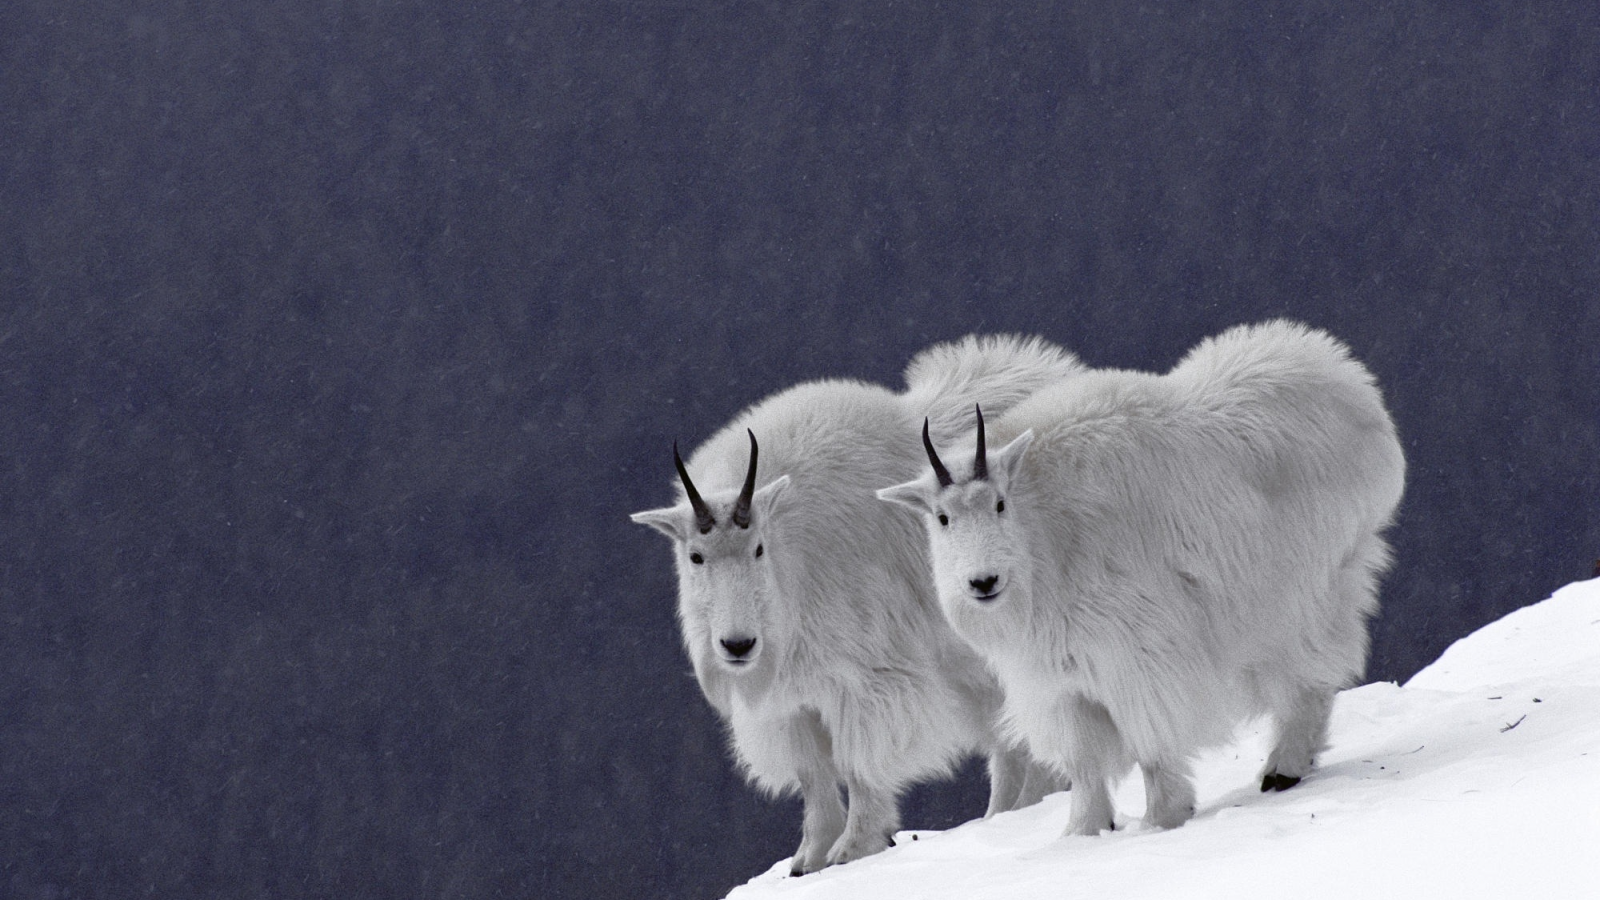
696	558
1000	506
944	520
758	550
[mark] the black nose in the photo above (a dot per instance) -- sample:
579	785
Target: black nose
738	648
984	586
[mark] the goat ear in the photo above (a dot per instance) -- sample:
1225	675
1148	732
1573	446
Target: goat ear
672	521
1009	458
765	501
913	494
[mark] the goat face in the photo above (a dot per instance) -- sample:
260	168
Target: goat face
975	546
729	601
978	548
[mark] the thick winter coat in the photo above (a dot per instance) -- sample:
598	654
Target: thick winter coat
807	608
1150	559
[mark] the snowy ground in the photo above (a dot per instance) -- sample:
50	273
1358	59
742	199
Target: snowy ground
1479	778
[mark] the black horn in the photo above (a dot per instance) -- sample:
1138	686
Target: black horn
980	463
702	512
741	507
939	470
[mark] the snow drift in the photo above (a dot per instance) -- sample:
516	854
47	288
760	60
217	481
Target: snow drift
1480	777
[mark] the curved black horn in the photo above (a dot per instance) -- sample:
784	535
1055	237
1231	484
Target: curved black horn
741	507
939	470
702	512
980	463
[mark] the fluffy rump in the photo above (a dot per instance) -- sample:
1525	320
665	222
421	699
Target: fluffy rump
945	381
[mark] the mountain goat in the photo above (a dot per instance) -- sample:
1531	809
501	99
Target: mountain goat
1150	559
807	608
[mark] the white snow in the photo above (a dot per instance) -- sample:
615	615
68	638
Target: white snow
1479	778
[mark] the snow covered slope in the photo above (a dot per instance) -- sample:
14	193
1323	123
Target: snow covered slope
1479	778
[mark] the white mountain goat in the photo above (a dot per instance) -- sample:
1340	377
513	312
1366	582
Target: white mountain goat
1150	559
807	607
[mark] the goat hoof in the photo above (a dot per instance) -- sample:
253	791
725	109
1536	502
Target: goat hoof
1276	782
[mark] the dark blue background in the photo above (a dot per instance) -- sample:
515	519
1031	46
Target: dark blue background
337	339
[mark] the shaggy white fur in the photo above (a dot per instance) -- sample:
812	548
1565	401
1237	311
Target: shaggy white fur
809	613
1150	559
